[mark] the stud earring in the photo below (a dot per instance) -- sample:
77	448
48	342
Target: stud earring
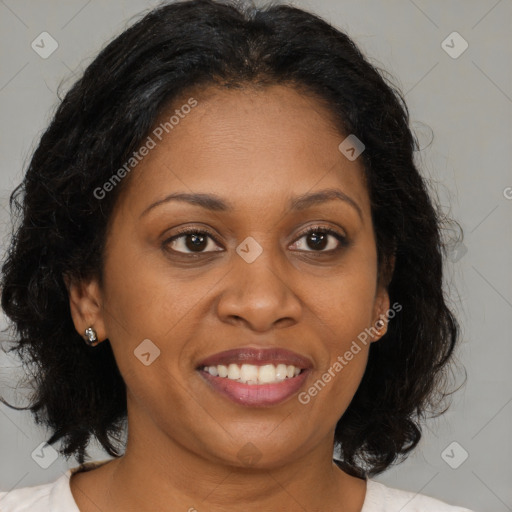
91	338
379	324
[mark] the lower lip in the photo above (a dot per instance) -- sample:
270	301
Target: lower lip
256	395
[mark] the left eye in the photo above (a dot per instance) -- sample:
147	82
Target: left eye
318	240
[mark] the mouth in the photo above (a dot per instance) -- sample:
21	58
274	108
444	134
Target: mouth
255	377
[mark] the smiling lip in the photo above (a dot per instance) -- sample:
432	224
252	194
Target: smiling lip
256	395
258	357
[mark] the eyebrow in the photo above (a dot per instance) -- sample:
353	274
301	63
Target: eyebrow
213	202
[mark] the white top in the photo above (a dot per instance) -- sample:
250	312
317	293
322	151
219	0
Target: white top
57	497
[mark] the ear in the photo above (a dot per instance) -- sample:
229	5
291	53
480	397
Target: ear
382	303
85	302
380	314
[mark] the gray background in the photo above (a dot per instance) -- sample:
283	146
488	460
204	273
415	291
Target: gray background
465	101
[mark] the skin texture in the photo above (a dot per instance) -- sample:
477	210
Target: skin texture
256	149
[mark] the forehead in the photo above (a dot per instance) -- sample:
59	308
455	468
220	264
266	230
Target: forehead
251	145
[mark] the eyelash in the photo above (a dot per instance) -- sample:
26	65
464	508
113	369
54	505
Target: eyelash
343	242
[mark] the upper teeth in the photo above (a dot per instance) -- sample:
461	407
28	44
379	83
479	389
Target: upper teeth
252	374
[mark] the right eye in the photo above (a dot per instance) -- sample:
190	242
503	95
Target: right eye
191	241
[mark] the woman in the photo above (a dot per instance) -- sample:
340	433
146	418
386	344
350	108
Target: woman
222	247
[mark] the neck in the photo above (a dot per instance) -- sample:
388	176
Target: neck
157	473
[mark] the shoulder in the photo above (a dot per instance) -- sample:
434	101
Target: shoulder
381	498
53	496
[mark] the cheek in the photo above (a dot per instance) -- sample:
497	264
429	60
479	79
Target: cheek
156	397
337	379
144	296
145	301
345	304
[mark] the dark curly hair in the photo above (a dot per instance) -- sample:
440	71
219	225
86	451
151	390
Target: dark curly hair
79	391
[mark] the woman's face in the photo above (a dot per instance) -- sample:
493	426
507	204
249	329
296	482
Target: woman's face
258	284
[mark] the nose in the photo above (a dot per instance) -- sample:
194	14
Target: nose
259	294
